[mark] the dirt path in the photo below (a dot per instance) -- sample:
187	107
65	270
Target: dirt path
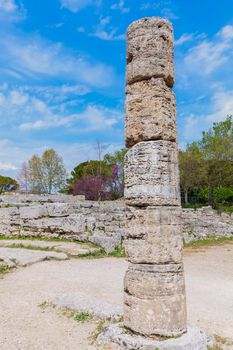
25	326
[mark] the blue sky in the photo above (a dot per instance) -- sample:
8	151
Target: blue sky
62	73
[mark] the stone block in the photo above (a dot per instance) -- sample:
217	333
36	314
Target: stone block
150	112
163	315
59	209
33	212
150	46
152	174
147	281
9	213
153	235
194	339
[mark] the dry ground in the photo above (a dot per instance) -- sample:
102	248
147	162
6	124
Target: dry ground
26	326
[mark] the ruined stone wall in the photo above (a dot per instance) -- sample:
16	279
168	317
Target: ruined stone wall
102	223
62	216
205	222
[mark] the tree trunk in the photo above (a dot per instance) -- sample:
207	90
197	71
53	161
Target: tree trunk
186	201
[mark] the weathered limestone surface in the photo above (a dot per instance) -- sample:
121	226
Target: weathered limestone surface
152	174
150	54
145	280
154	290
105	222
150	112
162	315
155	299
153	235
100	223
194	339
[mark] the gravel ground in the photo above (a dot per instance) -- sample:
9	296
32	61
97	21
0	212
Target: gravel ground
26	326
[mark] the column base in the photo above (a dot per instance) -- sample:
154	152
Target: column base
194	339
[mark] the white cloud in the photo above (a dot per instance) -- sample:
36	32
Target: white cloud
226	32
18	98
57	94
2	99
169	13
164	7
120	5
7	166
8	5
13	155
56	25
209	55
93	118
37	108
11	11
186	37
221	106
77	5
104	31
35	58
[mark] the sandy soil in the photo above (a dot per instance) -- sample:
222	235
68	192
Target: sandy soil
25	326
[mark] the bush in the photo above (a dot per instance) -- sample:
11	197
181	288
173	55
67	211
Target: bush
93	187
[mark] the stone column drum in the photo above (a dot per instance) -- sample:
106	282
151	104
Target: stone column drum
154	291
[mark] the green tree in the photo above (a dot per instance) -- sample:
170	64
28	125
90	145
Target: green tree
192	169
7	184
46	174
91	167
116	162
23	176
217	147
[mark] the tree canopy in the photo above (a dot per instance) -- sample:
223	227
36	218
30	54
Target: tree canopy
45	174
99	179
206	167
8	184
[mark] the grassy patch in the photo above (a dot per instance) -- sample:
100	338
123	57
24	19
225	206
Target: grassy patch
3	269
92	255
44	305
83	317
119	252
28	246
221	343
97	331
193	206
46	239
210	241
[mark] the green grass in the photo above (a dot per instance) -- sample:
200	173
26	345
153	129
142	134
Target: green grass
3	269
210	241
118	252
193	206
97	331
46	239
83	317
28	246
221	208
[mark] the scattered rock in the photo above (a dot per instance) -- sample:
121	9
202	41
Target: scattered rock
82	303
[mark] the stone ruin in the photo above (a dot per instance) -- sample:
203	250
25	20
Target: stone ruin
154	288
102	223
154	291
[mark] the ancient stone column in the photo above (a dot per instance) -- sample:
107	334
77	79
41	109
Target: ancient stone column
154	292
